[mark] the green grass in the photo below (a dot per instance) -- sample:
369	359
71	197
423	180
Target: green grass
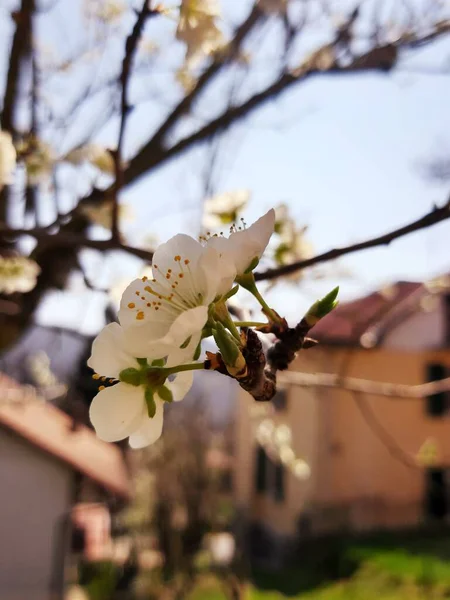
387	568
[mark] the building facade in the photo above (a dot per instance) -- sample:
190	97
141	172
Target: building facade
375	461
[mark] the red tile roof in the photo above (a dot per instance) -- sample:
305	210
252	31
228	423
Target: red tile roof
47	427
365	320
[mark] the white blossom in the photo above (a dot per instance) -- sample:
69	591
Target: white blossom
121	411
17	274
166	314
102	214
224	208
39	160
95	154
198	30
7	158
246	245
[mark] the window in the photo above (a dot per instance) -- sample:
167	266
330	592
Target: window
437	404
279	401
269	476
436	499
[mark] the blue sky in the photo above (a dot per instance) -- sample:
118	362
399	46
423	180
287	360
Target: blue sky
344	152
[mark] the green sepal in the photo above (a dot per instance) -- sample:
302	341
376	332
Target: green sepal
142	362
130	376
158	362
165	394
186	342
150	402
226	344
252	265
197	352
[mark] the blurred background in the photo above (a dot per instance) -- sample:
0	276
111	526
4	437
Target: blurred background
132	121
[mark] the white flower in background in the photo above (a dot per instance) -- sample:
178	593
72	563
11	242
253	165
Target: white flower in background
102	214
95	154
293	245
198	30
224	208
17	274
39	160
272	6
247	245
165	315
108	11
300	469
123	410
7	158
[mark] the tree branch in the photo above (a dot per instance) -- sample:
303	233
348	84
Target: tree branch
431	218
125	108
375	388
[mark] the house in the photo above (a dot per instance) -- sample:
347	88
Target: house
373	461
56	481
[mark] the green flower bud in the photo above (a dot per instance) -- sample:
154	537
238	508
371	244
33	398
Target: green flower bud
231	354
198	351
185	344
142	361
131	376
165	394
150	402
322	307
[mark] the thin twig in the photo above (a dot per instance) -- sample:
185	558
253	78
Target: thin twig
388	440
375	388
431	218
125	108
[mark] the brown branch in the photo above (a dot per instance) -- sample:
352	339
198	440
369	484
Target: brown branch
375	388
153	149
431	218
125	108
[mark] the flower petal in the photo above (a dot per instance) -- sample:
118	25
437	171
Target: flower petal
251	243
117	411
109	355
184	246
226	262
181	384
188	324
180	356
150	430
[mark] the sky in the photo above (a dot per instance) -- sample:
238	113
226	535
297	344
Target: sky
345	153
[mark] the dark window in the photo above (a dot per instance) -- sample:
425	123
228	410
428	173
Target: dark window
279	483
261	470
437	404
436	501
447	319
279	401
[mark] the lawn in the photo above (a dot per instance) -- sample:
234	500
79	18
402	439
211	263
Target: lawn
385	569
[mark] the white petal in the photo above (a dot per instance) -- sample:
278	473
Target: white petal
181	384
150	430
184	246
109	355
251	243
135	312
118	411
226	262
187	324
180	356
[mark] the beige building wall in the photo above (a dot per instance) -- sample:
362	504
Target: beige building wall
34	497
355	480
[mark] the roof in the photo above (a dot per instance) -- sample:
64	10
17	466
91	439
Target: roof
365	321
51	430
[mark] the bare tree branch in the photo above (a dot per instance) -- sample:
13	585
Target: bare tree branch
431	218
375	388
125	108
